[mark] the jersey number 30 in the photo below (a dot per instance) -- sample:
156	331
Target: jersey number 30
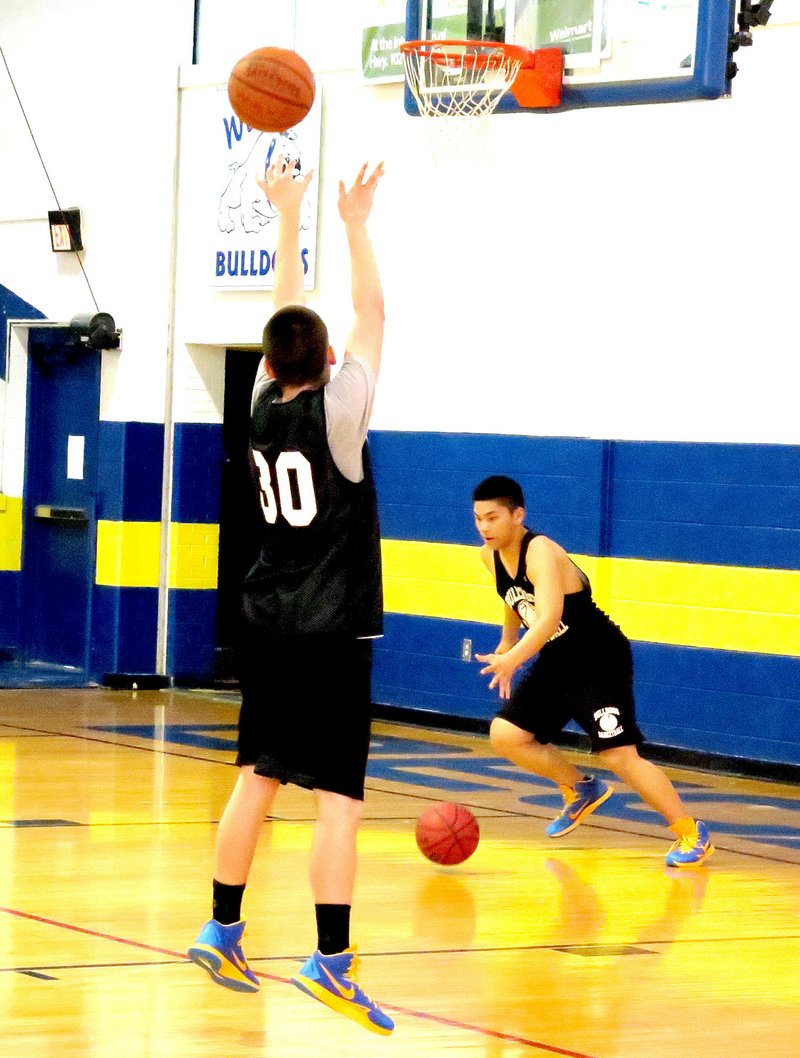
297	505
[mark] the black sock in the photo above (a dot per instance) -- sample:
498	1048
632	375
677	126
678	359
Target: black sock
227	902
333	927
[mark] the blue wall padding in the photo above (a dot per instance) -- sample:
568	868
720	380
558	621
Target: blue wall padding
124	626
418	666
130	471
721	504
425	483
192	634
716	701
196	491
10	582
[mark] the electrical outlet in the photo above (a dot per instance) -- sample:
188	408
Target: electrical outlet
466	650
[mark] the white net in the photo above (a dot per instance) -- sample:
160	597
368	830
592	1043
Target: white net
459	83
458	78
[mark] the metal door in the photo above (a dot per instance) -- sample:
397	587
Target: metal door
59	530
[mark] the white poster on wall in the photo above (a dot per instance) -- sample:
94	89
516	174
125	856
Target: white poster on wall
245	225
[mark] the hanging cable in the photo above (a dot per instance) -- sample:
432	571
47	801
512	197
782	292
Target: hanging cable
44	167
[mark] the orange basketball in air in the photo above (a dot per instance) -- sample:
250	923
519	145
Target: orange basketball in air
271	89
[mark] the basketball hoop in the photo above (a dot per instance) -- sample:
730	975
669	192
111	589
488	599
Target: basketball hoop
461	82
468	78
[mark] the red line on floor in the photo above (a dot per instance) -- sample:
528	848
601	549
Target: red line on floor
437	1018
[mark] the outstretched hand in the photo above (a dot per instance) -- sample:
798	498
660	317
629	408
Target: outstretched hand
355	205
501	667
281	187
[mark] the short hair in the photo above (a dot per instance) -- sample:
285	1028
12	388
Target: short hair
295	345
498	487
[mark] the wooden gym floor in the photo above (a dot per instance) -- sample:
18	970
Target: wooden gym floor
587	947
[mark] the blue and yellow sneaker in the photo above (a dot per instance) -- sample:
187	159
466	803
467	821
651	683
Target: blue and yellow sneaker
332	980
218	950
579	802
693	846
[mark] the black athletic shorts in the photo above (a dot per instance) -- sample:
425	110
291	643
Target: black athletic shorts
306	709
589	680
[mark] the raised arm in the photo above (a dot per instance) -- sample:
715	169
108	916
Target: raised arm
285	192
365	340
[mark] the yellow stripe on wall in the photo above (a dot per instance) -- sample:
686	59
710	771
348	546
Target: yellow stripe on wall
193	555
437	580
725	607
721	607
128	554
10	533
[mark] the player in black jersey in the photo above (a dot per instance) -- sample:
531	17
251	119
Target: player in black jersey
583	672
312	604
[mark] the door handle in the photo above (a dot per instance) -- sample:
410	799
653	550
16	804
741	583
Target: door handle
61	514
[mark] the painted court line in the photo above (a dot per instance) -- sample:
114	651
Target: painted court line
419	1014
771	853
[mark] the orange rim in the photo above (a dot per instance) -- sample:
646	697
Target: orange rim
432	48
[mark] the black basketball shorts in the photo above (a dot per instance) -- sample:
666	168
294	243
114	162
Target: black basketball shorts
306	709
590	682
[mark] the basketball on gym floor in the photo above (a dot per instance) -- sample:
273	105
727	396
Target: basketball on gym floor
447	833
271	89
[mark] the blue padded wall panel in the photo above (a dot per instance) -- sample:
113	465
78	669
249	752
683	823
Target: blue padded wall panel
425	483
418	666
124	629
10	582
708	462
130	471
731	545
192	636
714	504
766	675
105	629
196	492
736	505
708	700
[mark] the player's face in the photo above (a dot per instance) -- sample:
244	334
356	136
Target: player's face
496	523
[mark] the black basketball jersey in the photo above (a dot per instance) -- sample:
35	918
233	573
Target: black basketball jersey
319	569
580	614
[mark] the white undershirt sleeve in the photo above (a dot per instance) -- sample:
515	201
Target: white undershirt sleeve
348	406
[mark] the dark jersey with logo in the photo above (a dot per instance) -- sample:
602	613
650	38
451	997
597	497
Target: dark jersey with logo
319	569
580	616
584	673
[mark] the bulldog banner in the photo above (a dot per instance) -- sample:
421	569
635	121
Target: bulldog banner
245	228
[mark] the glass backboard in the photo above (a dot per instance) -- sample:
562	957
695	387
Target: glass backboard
615	51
